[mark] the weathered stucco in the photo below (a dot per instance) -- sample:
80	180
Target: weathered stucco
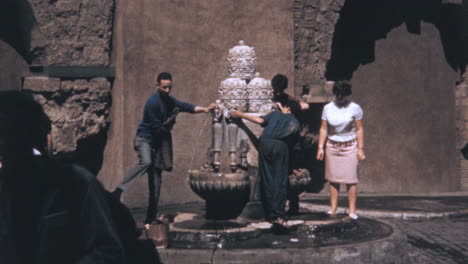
407	94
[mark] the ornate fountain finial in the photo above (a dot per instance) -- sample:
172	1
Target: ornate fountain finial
242	60
232	93
260	94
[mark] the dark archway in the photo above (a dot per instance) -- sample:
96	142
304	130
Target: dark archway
363	22
16	26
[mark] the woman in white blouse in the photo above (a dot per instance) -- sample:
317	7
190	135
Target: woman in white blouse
343	133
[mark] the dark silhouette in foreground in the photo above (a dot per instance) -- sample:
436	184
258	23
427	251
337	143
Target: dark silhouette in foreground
53	211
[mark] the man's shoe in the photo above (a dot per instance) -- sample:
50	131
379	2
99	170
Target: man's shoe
153	222
280	227
293	212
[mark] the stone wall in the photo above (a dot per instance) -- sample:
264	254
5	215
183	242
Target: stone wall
72	32
70	44
461	93
314	25
77	108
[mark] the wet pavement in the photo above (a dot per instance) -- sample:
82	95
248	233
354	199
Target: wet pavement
436	226
440	240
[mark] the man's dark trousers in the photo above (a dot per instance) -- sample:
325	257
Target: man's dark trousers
144	148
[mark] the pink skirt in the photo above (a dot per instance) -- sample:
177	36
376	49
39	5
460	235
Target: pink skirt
341	162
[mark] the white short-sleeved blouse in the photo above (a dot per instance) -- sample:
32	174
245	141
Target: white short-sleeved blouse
340	120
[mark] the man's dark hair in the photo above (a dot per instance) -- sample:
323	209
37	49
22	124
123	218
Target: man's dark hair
342	88
279	83
25	117
163	76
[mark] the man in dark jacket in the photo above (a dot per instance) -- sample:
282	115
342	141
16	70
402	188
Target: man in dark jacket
153	140
49	213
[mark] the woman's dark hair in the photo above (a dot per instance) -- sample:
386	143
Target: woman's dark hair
295	108
342	88
163	76
279	82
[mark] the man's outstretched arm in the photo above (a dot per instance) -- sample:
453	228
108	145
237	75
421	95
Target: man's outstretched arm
201	109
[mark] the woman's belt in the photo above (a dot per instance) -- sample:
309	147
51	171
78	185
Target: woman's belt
342	144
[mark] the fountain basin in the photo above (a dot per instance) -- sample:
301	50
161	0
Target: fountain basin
225	193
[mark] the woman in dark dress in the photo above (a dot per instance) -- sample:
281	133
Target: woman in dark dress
280	132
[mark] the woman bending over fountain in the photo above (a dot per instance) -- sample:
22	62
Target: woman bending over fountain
343	132
280	132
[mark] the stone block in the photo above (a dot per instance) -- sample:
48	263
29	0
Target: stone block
99	84
78	85
460	90
325	5
97	55
41	84
68	5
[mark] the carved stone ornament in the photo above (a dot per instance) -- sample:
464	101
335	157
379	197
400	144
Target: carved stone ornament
233	93
260	94
242	60
219	186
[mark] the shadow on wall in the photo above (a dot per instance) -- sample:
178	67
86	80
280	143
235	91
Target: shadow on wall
18	28
362	22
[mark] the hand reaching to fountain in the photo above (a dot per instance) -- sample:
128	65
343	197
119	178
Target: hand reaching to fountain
199	109
210	107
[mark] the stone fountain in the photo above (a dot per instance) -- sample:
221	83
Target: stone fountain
228	180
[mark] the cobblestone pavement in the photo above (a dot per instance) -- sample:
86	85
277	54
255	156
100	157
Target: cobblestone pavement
442	240
431	240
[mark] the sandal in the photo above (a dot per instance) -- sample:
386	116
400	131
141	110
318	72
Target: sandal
331	214
354	216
